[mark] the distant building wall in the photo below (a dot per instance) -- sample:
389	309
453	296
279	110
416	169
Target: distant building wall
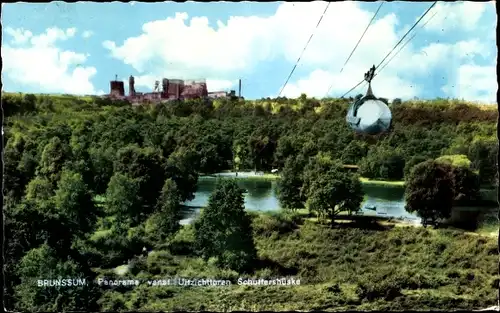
194	90
152	96
117	88
174	88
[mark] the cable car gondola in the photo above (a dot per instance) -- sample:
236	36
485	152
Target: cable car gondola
369	114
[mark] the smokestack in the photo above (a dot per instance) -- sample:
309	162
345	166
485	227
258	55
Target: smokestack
239	88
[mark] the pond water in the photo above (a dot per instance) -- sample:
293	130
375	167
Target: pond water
261	196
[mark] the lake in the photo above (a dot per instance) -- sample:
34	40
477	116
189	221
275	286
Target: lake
261	196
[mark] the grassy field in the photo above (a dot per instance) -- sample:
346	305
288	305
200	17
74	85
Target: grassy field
362	179
368	181
351	267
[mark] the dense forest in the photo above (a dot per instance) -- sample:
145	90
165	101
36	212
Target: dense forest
89	183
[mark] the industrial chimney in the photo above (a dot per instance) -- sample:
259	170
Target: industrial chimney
131	86
239	88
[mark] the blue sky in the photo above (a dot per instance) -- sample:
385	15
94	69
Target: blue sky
78	48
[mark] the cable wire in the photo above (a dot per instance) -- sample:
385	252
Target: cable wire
399	42
305	47
404	45
355	47
367	26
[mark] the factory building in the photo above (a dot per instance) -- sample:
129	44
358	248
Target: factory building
171	89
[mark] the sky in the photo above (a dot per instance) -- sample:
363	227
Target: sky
78	48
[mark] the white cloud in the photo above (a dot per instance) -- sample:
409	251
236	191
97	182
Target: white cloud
40	63
475	82
183	47
318	82
463	15
20	35
220	85
52	35
87	34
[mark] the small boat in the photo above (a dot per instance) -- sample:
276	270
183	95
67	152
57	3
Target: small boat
382	212
371	207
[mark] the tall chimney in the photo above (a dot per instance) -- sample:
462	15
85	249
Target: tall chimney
239	88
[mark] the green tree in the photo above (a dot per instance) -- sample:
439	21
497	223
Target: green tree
123	199
483	154
41	263
101	158
383	163
165	221
74	203
466	184
330	189
354	152
146	166
410	164
55	154
39	188
181	167
430	191
20	165
457	160
290	184
224	229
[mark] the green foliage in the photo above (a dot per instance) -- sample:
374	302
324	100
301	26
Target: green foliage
123	199
145	166
412	163
223	228
39	188
354	152
290	184
331	190
459	160
54	155
430	190
340	269
484	157
164	223
466	185
383	163
41	263
74	203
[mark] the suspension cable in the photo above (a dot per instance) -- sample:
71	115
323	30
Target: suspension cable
416	23
352	52
404	45
305	47
366	29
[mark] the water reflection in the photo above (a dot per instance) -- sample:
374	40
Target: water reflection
388	201
260	195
